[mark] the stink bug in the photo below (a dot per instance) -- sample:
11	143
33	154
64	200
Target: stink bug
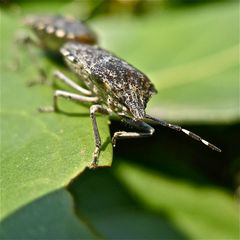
54	31
113	86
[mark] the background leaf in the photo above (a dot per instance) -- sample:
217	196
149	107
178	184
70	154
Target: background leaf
194	210
137	202
191	54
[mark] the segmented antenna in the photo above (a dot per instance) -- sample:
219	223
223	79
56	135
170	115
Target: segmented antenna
180	129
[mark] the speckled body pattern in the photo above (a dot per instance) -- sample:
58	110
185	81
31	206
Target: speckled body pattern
120	86
54	31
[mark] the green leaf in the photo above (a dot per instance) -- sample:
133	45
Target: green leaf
191	55
114	212
201	213
40	152
50	217
130	201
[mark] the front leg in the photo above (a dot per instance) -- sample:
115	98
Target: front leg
147	131
24	40
93	110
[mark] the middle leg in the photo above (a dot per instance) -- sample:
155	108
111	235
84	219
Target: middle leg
67	95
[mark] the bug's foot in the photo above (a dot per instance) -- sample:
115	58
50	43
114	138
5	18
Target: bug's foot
33	83
47	109
94	163
42	80
22	38
36	82
114	140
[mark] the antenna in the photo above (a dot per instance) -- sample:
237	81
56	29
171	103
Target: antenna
187	132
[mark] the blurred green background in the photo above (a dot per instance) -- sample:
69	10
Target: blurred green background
164	187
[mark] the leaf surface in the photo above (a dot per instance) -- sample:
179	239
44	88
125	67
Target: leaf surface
41	152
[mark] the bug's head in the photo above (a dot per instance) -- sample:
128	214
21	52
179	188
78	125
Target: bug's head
138	114
136	108
134	102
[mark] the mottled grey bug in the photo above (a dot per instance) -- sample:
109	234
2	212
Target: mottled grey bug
113	86
54	31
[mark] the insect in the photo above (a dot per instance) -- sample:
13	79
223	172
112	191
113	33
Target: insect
54	31
113	86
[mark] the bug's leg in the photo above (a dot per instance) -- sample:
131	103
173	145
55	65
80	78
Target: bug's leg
24	40
102	4
59	75
42	75
70	96
20	41
147	131
93	110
